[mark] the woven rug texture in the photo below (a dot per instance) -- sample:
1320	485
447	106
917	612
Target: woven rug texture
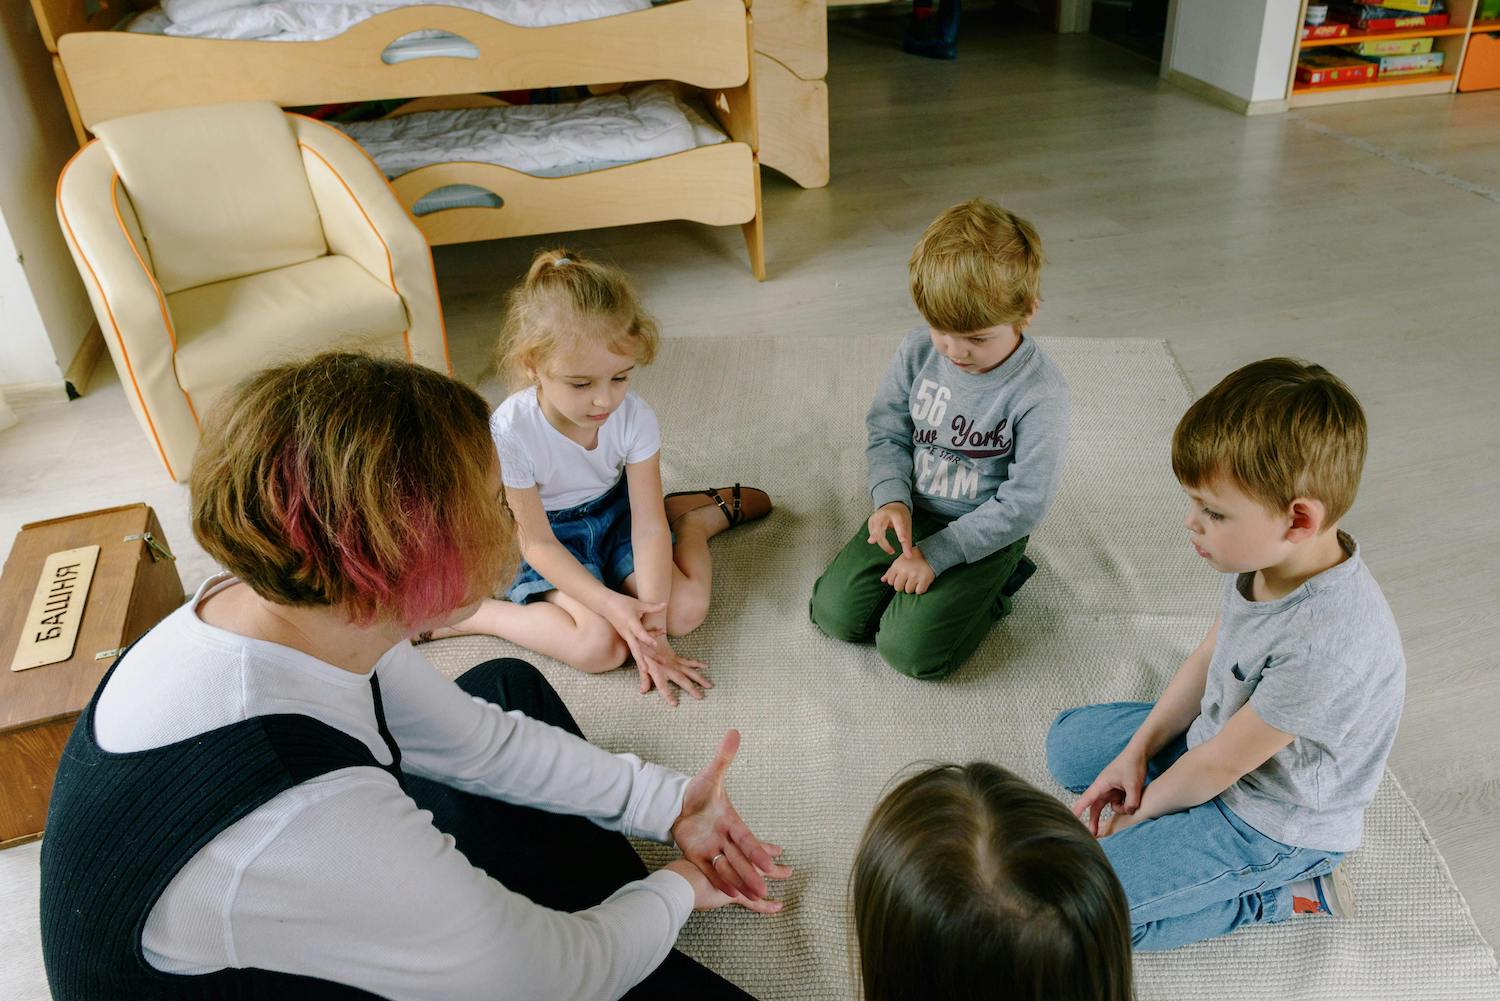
1118	601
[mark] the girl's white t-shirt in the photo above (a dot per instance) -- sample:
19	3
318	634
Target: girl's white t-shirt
533	453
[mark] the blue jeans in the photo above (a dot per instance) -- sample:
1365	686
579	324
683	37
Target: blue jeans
1191	875
597	533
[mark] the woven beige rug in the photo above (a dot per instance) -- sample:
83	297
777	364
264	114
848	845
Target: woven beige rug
1119	600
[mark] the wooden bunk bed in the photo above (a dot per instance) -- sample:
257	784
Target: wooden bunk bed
791	98
704	44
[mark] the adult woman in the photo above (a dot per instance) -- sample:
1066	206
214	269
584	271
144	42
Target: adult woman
272	794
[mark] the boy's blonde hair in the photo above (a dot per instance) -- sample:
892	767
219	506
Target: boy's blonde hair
1278	429
566	300
977	266
355	482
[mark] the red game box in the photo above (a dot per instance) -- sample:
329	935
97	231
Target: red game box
1358	16
1326	69
1324	31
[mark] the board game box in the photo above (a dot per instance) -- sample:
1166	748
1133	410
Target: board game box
1328	30
1392	47
1324	69
1409	65
1362	18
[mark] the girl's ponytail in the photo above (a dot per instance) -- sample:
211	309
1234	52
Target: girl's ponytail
565	299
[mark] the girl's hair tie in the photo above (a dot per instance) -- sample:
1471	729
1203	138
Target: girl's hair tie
561	261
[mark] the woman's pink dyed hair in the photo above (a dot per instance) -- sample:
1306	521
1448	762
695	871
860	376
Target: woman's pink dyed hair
353	481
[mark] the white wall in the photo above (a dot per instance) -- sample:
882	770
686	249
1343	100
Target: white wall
1242	47
25	352
1276	43
44	311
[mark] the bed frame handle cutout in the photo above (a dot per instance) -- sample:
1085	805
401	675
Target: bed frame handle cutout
464	49
476	197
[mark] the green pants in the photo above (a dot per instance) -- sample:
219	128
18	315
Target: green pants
921	635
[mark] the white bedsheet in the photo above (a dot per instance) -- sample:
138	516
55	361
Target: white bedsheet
311	20
546	140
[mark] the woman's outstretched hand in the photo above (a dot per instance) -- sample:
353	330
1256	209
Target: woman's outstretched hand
712	836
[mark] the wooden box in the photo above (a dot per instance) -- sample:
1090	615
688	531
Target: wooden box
134	584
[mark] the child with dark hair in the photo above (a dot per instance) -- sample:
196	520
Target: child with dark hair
971	883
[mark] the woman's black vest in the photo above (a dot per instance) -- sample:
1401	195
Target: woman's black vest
121	826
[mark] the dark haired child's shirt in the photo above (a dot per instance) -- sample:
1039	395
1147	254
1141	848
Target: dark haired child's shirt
1323	663
984	449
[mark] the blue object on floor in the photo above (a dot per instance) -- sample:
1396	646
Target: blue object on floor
935	36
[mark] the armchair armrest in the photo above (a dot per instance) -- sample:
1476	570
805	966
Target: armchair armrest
104	235
363	220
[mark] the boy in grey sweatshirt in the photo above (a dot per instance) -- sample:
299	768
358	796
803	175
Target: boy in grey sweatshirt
967	437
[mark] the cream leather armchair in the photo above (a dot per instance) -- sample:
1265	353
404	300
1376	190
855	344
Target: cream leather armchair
215	241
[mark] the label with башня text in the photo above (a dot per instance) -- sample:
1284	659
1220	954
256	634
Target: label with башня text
51	629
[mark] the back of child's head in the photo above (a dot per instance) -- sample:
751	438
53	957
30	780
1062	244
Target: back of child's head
1278	429
970	883
567	302
977	266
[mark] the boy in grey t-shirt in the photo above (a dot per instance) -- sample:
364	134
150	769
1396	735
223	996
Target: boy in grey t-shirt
1234	797
967	435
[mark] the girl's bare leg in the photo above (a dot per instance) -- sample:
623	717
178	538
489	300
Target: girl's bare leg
557	626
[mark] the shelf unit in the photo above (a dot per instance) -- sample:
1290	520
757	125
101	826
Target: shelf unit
1452	41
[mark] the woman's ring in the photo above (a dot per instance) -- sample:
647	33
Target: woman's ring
715	860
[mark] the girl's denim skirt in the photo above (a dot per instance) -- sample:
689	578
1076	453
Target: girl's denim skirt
597	533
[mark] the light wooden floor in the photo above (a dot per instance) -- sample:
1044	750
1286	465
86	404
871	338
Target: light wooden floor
1363	237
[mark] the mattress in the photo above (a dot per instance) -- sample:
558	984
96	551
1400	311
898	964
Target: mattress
544	140
313	20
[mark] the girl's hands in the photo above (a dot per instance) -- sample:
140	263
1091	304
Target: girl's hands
659	665
663	668
707	897
1118	787
627	615
910	573
712	836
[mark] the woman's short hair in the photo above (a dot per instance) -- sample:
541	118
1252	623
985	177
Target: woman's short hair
354	481
972	884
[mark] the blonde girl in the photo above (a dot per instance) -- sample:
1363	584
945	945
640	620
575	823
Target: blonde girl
611	567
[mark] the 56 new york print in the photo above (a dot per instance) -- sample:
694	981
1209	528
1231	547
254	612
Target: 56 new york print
945	450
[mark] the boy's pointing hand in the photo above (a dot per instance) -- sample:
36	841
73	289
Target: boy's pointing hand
892	517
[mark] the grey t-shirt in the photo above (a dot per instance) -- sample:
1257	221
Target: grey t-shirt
984	449
1323	663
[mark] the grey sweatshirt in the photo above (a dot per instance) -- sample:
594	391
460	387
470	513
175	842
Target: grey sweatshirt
984	449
